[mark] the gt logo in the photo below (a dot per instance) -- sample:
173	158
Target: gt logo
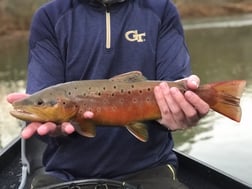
133	35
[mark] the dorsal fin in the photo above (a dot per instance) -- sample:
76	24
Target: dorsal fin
129	77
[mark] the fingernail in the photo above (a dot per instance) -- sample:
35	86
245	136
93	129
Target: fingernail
42	130
24	135
88	114
69	129
174	90
194	83
163	85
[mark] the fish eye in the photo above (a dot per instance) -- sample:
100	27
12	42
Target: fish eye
40	102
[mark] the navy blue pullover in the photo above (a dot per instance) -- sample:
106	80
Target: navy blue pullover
83	39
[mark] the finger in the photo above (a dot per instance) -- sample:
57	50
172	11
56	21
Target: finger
193	82
175	110
15	96
200	105
47	128
88	115
189	112
164	108
67	128
30	130
174	100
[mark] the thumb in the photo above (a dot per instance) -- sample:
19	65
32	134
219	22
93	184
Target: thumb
193	82
12	97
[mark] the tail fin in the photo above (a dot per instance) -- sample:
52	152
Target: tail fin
224	97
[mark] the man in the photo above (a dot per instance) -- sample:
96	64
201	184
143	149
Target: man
95	39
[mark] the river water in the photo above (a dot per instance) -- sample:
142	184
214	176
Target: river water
220	50
13	58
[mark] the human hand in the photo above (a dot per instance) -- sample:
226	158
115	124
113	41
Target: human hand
48	128
180	111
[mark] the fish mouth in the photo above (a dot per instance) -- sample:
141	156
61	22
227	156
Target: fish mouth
25	115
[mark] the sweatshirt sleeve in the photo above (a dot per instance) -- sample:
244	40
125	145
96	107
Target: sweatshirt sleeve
45	63
173	61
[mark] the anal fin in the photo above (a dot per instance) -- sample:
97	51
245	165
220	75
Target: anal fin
139	130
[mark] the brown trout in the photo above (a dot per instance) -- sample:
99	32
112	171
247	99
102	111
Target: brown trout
124	100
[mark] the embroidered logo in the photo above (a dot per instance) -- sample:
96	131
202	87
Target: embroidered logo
134	36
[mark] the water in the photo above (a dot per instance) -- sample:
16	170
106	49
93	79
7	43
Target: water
222	53
13	58
218	22
217	53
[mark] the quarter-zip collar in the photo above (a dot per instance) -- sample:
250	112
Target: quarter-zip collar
99	4
110	2
107	9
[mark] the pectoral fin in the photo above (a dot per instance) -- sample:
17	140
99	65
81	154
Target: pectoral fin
139	130
86	129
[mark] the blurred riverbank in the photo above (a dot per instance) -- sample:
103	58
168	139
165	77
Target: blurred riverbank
15	15
212	8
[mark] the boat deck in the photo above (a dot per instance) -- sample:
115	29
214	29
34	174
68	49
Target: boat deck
193	173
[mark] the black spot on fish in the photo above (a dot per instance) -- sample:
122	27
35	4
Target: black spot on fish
115	86
129	92
69	93
140	91
132	86
122	91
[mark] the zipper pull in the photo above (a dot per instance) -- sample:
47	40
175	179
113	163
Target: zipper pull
108	27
